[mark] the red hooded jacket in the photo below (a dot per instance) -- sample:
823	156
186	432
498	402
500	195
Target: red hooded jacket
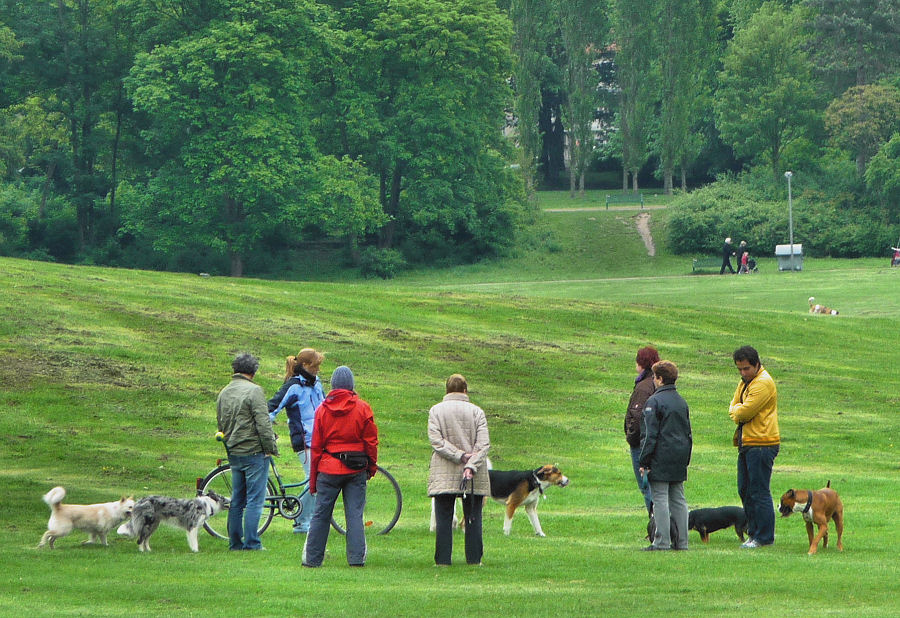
344	422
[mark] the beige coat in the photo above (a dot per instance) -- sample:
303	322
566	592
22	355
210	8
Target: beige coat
457	427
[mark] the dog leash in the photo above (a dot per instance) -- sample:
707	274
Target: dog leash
808	502
464	484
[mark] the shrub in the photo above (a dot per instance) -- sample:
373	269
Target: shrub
384	263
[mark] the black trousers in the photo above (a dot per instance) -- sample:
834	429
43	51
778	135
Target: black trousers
443	538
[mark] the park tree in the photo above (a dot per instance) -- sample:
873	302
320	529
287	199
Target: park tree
584	25
530	20
633	34
684	57
767	96
883	176
431	79
856	41
230	123
863	119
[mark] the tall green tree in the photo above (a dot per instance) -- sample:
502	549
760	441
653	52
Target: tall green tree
431	75
883	176
231	121
863	119
767	96
584	26
530	19
683	53
857	41
633	35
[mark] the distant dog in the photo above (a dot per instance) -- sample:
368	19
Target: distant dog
95	519
814	308
817	507
707	521
516	488
189	515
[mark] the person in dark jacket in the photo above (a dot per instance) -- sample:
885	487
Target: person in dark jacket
344	423
665	455
634	416
727	252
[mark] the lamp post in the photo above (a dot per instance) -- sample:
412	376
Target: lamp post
790	218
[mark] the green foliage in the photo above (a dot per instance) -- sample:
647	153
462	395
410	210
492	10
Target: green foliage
384	263
767	96
883	174
24	232
863	119
699	221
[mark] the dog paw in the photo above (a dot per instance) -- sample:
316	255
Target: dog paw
539	534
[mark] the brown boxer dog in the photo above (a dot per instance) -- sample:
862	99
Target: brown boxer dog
817	507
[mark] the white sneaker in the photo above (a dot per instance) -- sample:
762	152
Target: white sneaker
751	544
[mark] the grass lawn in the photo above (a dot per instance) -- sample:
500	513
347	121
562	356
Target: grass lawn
111	375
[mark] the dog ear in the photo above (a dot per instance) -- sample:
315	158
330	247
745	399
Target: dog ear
791	493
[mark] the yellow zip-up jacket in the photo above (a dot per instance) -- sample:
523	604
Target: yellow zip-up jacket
754	408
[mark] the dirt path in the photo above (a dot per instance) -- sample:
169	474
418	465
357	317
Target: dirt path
643	226
594	208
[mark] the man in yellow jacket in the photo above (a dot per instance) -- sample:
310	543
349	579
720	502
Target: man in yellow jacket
754	408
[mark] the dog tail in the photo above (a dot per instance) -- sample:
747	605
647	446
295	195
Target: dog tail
828	484
54	496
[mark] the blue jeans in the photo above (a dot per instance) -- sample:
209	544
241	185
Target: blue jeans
353	489
249	474
636	464
308	501
754	473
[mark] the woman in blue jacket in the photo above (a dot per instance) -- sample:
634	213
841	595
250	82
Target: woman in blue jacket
300	400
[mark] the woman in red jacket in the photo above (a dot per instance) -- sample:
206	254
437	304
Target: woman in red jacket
344	454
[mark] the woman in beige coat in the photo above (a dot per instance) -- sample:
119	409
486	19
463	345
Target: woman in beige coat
458	433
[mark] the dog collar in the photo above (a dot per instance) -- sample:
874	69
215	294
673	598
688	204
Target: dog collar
539	486
808	501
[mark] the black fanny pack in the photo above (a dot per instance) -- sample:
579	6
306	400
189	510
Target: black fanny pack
355	460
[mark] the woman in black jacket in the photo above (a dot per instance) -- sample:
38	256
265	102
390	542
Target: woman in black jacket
665	455
634	416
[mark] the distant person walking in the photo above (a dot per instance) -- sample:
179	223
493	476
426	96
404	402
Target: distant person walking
727	252
634	415
739	256
241	416
754	408
665	455
458	432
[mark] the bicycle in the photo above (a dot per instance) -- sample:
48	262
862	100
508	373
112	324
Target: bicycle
384	501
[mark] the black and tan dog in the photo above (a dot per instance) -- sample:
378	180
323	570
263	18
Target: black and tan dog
817	507
706	521
516	488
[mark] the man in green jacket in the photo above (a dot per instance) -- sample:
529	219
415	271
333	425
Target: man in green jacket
243	417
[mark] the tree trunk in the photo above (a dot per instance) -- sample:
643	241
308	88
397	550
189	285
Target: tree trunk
683	180
51	169
634	181
237	264
624	180
667	181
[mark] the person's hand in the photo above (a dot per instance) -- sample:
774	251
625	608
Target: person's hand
468	474
466	457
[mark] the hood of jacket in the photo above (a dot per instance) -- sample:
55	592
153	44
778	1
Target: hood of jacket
340	401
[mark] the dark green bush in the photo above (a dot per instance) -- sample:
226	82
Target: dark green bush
384	263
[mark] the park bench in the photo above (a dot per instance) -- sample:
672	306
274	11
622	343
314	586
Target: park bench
624	198
705	263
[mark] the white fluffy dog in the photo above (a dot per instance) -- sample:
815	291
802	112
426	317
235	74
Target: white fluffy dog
95	519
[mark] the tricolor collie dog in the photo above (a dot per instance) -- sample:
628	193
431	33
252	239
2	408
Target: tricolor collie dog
816	308
189	515
516	488
95	519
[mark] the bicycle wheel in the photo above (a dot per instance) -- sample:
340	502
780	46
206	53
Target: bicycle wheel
383	505
219	481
